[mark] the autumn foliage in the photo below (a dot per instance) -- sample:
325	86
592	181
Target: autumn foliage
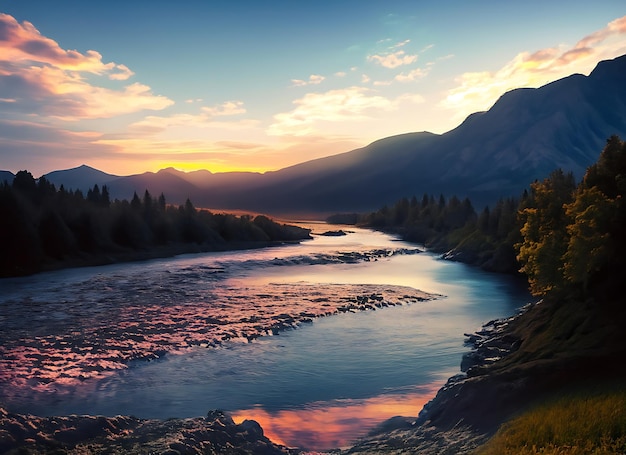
575	236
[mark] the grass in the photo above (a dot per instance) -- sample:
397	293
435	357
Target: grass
574	425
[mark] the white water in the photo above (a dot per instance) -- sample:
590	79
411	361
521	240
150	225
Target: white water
319	386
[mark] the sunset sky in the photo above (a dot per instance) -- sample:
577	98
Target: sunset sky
134	86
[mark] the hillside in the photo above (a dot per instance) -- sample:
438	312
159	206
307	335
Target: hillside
493	154
572	249
523	137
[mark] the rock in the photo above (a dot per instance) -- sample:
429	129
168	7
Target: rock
252	428
216	433
337	233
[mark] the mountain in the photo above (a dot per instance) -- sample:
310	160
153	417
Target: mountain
171	184
6	176
79	178
525	135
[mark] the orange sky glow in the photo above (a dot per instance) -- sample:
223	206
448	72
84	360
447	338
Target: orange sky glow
264	101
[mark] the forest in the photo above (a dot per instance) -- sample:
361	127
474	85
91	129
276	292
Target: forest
563	236
44	227
451	227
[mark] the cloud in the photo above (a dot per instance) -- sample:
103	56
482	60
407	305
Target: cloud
121	74
477	91
204	119
332	106
314	79
411	76
29	145
23	42
352	104
46	80
393	57
398	58
226	109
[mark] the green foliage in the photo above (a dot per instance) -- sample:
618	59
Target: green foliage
544	232
573	236
42	226
453	226
575	425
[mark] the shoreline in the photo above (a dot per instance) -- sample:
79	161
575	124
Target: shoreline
161	252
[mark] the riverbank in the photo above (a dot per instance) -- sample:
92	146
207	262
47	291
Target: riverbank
120	255
215	433
550	350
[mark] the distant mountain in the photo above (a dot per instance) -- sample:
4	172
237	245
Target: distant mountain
523	137
526	134
79	178
6	176
167	181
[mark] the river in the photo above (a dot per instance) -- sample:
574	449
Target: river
243	331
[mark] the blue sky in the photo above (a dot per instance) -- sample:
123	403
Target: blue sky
137	86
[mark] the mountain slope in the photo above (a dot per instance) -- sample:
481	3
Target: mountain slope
6	176
79	178
524	136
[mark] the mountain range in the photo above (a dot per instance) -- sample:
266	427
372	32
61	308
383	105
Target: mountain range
525	135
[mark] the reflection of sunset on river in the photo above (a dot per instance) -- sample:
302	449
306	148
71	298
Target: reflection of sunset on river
72	341
93	339
335	424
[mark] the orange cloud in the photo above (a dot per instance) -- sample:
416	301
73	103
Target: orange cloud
477	91
45	79
23	42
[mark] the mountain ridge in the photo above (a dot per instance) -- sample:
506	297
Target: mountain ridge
526	134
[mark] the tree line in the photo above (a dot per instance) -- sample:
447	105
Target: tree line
451	226
42	226
565	237
574	236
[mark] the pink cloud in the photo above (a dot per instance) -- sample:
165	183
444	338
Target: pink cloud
479	90
46	80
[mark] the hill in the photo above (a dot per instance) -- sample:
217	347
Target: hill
6	176
79	178
568	344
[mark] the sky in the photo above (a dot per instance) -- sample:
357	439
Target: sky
134	86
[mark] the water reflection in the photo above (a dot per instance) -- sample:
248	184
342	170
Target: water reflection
70	340
336	424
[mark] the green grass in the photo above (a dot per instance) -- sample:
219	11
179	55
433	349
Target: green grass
575	425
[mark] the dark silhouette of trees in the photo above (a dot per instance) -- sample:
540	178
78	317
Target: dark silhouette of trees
452	226
42	226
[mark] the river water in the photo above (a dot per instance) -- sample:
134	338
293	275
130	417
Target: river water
275	334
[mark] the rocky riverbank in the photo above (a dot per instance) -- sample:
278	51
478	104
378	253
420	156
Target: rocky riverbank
550	349
214	434
437	430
